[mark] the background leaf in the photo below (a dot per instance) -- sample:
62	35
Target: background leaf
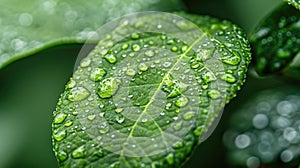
295	3
274	40
268	132
29	27
88	123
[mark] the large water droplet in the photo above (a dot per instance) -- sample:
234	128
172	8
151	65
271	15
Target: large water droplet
189	115
108	87
62	156
214	94
149	53
85	62
287	156
91	117
229	78
59	118
25	19
59	135
111	58
143	67
130	72
78	153
233	60
170	158
97	74
78	94
120	119
136	47
182	101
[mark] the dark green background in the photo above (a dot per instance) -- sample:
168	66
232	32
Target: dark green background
30	88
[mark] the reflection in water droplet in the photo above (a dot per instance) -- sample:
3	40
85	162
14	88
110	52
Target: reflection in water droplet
170	158
119	110
242	141
260	121
71	84
78	153
125	46
108	87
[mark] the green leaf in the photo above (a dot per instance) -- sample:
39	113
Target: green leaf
295	3
275	40
264	132
27	27
149	92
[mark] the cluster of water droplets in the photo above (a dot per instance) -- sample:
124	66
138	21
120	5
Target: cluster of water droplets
143	93
267	130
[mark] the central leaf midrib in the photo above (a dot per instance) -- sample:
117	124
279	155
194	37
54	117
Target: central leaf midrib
155	93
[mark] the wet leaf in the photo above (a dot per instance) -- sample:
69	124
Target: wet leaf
27	27
295	3
275	42
162	82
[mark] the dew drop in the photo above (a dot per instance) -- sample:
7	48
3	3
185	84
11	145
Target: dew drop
174	49
78	153
69	123
143	67
189	115
177	126
136	47
214	94
118	110
135	36
120	119
208	77
85	62
91	117
130	72
178	145
182	101
71	84
97	74
104	128
170	158
108	87
111	58
229	78
167	64
59	118
125	46
233	60
62	156
60	135
149	53
78	94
